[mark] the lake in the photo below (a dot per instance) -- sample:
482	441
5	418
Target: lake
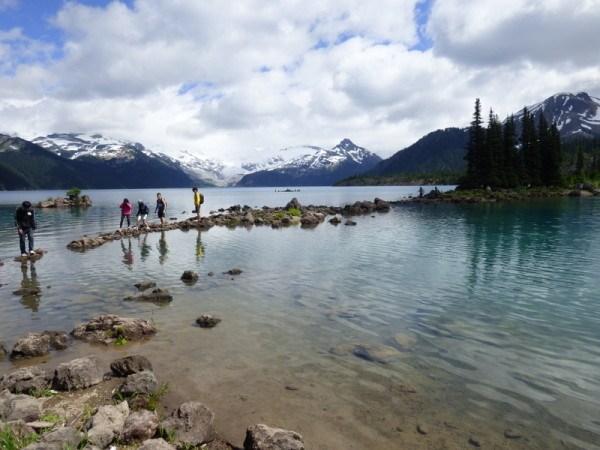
497	308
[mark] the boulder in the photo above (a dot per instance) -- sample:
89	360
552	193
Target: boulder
144	285
140	426
39	344
192	424
381	205
17	427
335	220
128	365
107	424
141	383
19	407
156	444
375	352
107	328
189	277
207	321
248	218
350	223
79	373
25	380
234	271
263	437
60	439
155	295
293	203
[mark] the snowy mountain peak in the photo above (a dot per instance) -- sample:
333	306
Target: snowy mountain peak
574	114
76	145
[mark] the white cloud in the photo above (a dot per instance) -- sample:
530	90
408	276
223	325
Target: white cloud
8	4
226	81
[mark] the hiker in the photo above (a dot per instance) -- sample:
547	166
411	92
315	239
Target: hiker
25	223
142	214
126	208
198	201
161	208
421	192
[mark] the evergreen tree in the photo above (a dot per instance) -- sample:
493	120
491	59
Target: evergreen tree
545	152
579	163
512	161
554	173
530	149
475	149
493	156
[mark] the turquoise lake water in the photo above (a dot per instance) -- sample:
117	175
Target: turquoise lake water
502	300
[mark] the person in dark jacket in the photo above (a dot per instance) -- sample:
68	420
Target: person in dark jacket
142	214
25	223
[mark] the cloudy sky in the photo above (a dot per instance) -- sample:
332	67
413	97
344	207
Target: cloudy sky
239	80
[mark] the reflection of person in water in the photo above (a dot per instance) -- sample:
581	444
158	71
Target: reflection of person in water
199	247
30	297
127	253
145	248
163	248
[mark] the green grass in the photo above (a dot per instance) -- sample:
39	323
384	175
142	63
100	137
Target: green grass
11	441
46	392
294	212
154	398
51	417
166	434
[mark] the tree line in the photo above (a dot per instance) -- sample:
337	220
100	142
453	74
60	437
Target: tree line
498	158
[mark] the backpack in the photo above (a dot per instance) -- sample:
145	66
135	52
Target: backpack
201	198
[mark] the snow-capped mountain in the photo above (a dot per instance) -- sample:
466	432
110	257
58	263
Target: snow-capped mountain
309	165
77	145
575	115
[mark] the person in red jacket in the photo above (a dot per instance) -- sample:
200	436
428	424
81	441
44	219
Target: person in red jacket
126	208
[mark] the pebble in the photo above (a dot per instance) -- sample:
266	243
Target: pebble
474	441
512	434
422	429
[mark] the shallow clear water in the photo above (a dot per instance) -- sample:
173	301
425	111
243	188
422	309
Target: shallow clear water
503	301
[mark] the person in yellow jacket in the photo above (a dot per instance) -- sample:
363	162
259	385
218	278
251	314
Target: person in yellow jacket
198	200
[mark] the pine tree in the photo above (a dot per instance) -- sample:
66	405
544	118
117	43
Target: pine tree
475	149
512	162
579	163
545	152
530	149
554	175
493	156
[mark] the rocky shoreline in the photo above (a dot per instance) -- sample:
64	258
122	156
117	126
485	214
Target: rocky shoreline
65	202
244	216
80	404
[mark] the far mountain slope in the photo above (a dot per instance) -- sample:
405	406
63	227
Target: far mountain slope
316	167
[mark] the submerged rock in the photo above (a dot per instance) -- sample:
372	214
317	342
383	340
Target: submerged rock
28	291
335	220
192	424
234	271
263	437
77	374
144	285
39	344
350	223
404	342
156	295
107	328
207	321
140	426
19	407
128	365
107	424
25	380
375	352
189	277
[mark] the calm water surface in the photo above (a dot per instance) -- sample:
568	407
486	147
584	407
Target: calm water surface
503	301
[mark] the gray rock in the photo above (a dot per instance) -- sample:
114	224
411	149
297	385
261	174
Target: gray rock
79	373
512	434
263	437
130	364
107	328
156	444
140	426
18	427
404	342
141	383
335	220
350	223
107	424
3	351
192	424
25	380
375	352
293	203
189	277
144	285
28	291
39	344
155	295
64	437
234	271
19	407
207	321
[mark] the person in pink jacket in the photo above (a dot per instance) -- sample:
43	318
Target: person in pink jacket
126	208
